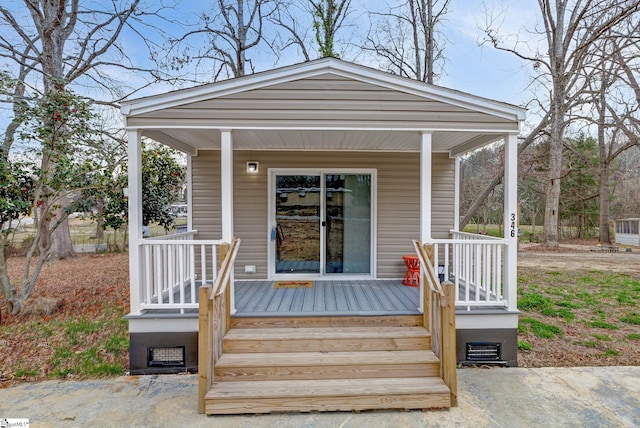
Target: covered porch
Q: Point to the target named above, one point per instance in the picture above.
(327, 172)
(174, 267)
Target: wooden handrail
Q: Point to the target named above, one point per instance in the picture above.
(214, 320)
(440, 318)
(427, 269)
(225, 268)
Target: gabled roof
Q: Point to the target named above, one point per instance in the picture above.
(328, 96)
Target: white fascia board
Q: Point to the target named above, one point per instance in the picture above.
(223, 88)
(315, 68)
(437, 93)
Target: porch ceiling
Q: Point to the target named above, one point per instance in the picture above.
(191, 140)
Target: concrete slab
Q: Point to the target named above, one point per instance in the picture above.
(499, 397)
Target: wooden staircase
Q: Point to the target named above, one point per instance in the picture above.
(326, 364)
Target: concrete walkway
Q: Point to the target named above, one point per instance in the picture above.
(513, 397)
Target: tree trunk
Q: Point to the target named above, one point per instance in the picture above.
(8, 290)
(100, 220)
(61, 245)
(556, 137)
(604, 237)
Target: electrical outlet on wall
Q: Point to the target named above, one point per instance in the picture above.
(250, 269)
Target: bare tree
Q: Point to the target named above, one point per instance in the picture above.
(58, 42)
(329, 17)
(406, 38)
(235, 27)
(570, 29)
(499, 174)
(287, 16)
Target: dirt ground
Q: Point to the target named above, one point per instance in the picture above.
(580, 256)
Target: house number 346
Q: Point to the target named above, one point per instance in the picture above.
(513, 225)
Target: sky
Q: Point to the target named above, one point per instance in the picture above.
(470, 67)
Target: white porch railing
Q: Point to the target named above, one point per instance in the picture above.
(172, 268)
(474, 263)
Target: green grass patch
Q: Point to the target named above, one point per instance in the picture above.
(534, 301)
(540, 329)
(633, 336)
(612, 353)
(26, 372)
(523, 345)
(590, 343)
(117, 344)
(626, 297)
(588, 298)
(565, 313)
(74, 330)
(633, 318)
(603, 337)
(603, 324)
(569, 305)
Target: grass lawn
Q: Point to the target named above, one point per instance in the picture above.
(578, 318)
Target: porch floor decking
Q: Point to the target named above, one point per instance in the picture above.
(339, 297)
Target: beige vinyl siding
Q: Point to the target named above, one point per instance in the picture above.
(327, 101)
(398, 200)
(442, 196)
(205, 188)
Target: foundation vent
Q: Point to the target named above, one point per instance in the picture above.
(484, 352)
(173, 356)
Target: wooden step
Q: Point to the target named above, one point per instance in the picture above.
(321, 339)
(327, 395)
(326, 365)
(332, 321)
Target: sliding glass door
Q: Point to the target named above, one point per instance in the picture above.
(322, 222)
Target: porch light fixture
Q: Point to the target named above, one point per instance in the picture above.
(253, 167)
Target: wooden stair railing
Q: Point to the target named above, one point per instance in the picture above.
(439, 317)
(214, 319)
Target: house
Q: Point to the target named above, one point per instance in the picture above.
(628, 231)
(327, 171)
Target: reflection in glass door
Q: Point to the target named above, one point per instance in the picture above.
(348, 223)
(297, 229)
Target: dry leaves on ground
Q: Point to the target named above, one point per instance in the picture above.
(91, 293)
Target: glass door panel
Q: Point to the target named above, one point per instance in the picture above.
(297, 230)
(348, 223)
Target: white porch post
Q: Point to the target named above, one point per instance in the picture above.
(425, 187)
(189, 194)
(425, 198)
(226, 168)
(510, 279)
(456, 194)
(135, 218)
